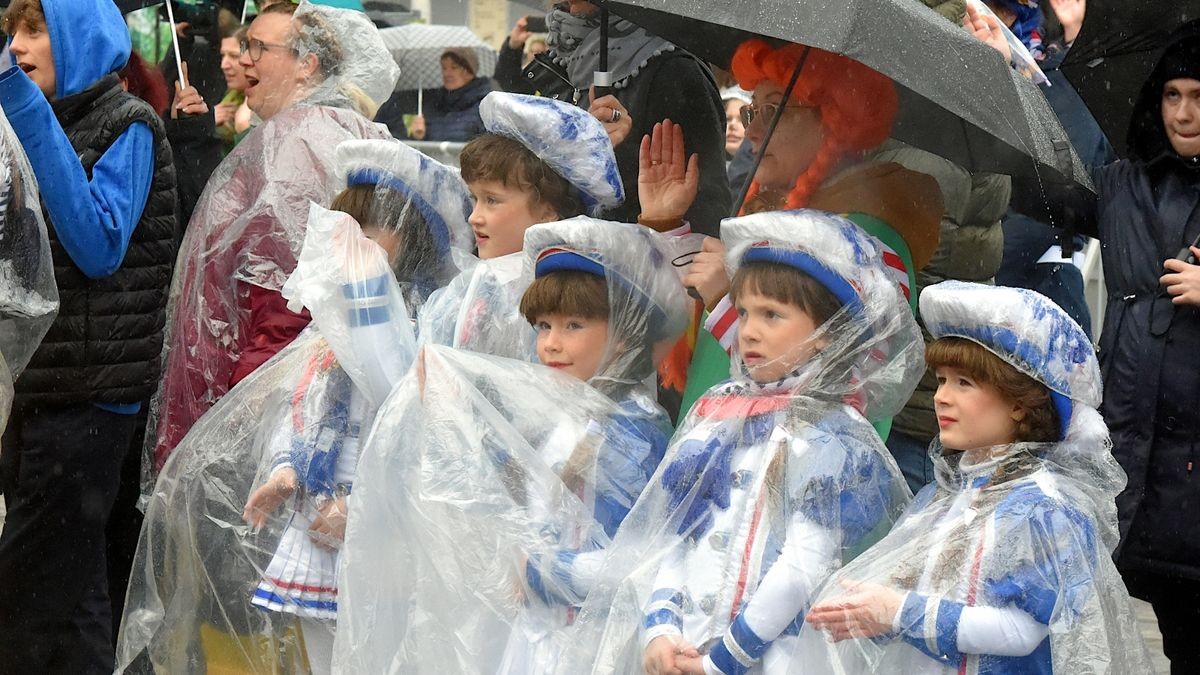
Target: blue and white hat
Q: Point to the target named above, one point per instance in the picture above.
(630, 257)
(1025, 329)
(564, 136)
(435, 189)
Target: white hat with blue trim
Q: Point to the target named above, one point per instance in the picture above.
(1025, 329)
(435, 189)
(565, 137)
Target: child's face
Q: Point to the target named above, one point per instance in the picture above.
(502, 214)
(388, 240)
(773, 337)
(31, 49)
(970, 414)
(572, 344)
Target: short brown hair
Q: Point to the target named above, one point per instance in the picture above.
(28, 12)
(567, 293)
(1040, 424)
(786, 284)
(502, 159)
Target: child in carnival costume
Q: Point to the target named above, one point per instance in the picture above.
(412, 209)
(540, 161)
(776, 477)
(496, 484)
(1003, 564)
(298, 421)
(605, 303)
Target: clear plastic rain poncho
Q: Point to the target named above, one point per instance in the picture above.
(489, 487)
(224, 315)
(477, 311)
(236, 569)
(1003, 564)
(767, 487)
(28, 292)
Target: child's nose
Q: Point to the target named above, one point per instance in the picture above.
(476, 218)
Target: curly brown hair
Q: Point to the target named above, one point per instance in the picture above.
(1040, 423)
(491, 157)
(28, 12)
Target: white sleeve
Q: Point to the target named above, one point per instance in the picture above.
(1001, 631)
(786, 589)
(670, 577)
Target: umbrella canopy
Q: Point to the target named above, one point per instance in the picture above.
(418, 48)
(958, 98)
(1115, 52)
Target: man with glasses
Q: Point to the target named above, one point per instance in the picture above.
(314, 76)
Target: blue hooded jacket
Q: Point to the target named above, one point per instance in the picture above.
(94, 219)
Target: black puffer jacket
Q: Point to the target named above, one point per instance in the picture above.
(104, 346)
(1146, 209)
(673, 85)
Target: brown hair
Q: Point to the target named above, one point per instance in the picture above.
(786, 284)
(567, 292)
(28, 12)
(491, 157)
(1040, 423)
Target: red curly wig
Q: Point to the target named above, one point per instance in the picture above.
(857, 104)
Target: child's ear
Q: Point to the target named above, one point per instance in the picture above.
(1018, 413)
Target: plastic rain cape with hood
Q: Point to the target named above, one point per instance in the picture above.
(242, 242)
(28, 292)
(1003, 564)
(211, 593)
(489, 487)
(766, 487)
(478, 310)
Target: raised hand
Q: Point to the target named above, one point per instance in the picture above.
(987, 29)
(1070, 15)
(667, 183)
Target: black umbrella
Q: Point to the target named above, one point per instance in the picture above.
(958, 98)
(1115, 52)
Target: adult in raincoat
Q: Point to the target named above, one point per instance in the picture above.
(316, 76)
(1145, 214)
(108, 191)
(496, 484)
(775, 478)
(1002, 565)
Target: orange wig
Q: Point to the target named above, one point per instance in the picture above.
(857, 104)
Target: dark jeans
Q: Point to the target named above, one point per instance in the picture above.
(1176, 603)
(59, 470)
(913, 457)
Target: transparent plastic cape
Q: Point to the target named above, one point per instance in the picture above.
(767, 487)
(213, 589)
(28, 292)
(479, 310)
(239, 248)
(1002, 565)
(486, 493)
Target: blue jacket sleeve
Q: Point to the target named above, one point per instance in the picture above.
(92, 219)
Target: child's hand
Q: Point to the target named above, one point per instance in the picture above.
(707, 272)
(663, 654)
(865, 611)
(690, 665)
(1182, 280)
(328, 529)
(267, 498)
(667, 182)
(986, 29)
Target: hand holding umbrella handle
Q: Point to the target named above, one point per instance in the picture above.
(1186, 255)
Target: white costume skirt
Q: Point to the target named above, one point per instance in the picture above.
(301, 578)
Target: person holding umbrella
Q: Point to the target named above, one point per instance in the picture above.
(102, 157)
(452, 113)
(651, 80)
(1145, 214)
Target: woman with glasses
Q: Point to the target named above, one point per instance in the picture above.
(314, 76)
(819, 157)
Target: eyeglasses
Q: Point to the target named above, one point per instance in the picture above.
(751, 112)
(255, 48)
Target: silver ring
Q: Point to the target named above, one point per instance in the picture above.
(616, 116)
